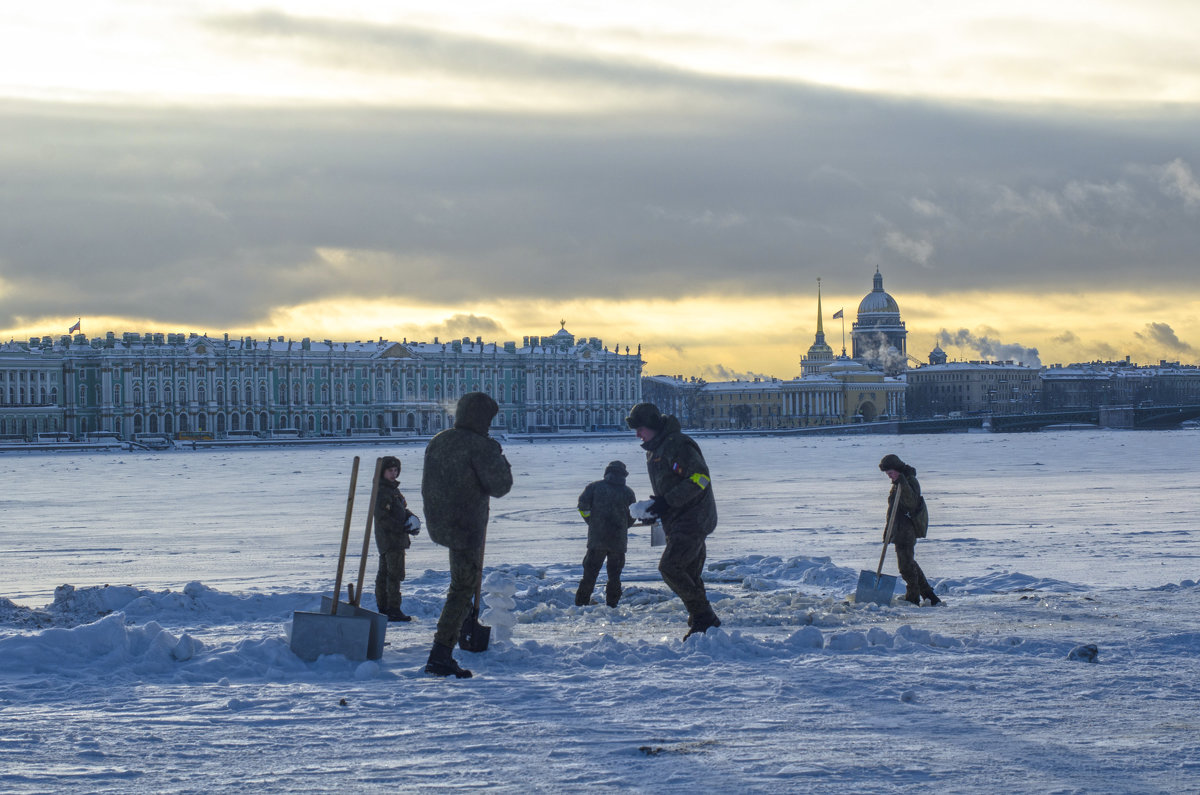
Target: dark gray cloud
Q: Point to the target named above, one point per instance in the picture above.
(1161, 337)
(416, 52)
(713, 186)
(458, 326)
(989, 348)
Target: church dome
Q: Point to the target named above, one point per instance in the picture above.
(877, 302)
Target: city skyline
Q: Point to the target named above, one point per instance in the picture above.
(1024, 178)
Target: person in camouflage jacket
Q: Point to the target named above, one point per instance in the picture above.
(395, 525)
(604, 505)
(683, 500)
(464, 469)
(903, 499)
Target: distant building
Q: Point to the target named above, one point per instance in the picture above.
(972, 387)
(879, 338)
(741, 405)
(177, 385)
(819, 353)
(1094, 384)
(674, 394)
(844, 392)
(30, 390)
(830, 391)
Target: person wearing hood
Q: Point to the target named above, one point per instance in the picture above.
(904, 500)
(395, 525)
(604, 505)
(683, 499)
(464, 469)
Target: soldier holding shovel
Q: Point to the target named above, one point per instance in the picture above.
(903, 502)
(464, 469)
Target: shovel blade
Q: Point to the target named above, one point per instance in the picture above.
(379, 623)
(877, 588)
(314, 634)
(474, 636)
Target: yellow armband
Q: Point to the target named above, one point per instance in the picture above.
(700, 480)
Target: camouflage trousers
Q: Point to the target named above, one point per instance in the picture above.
(592, 561)
(390, 573)
(915, 584)
(466, 567)
(681, 566)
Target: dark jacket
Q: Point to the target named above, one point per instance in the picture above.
(906, 493)
(679, 475)
(463, 468)
(604, 505)
(391, 512)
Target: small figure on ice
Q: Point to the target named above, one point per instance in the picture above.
(604, 505)
(395, 525)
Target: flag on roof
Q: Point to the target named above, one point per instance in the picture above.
(837, 314)
(76, 326)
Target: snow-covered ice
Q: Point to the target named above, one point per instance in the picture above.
(146, 598)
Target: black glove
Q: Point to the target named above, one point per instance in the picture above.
(658, 505)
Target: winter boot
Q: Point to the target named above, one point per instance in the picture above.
(397, 615)
(612, 595)
(702, 623)
(442, 663)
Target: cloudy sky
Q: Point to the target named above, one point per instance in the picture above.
(1026, 175)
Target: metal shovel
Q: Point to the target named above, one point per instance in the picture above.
(875, 586)
(343, 627)
(475, 636)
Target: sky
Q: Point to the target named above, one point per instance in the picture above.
(671, 175)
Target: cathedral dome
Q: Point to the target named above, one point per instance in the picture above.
(877, 302)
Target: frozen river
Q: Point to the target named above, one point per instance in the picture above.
(1082, 506)
(180, 679)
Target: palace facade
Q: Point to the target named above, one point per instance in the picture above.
(190, 386)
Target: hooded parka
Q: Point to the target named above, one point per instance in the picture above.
(464, 467)
(903, 500)
(679, 474)
(604, 505)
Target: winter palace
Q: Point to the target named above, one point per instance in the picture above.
(196, 386)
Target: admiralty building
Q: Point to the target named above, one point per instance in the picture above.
(196, 386)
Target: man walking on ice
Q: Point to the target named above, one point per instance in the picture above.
(683, 500)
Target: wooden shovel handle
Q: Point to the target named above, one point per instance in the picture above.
(337, 585)
(362, 565)
(887, 535)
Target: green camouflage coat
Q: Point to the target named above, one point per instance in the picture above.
(906, 493)
(604, 505)
(391, 512)
(679, 474)
(464, 467)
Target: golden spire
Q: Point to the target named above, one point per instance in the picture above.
(820, 322)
